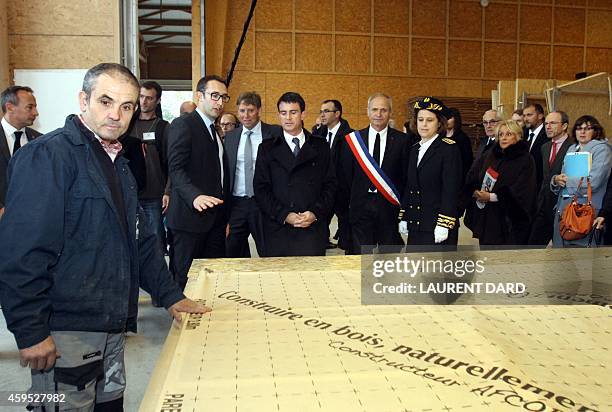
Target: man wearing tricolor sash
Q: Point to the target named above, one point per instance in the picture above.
(375, 165)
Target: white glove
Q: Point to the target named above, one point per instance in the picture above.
(403, 227)
(440, 234)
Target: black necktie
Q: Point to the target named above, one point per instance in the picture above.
(376, 155)
(329, 139)
(296, 148)
(17, 144)
(531, 134)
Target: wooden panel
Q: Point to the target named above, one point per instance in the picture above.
(370, 85)
(606, 4)
(567, 61)
(507, 96)
(243, 81)
(4, 47)
(599, 30)
(422, 87)
(61, 17)
(353, 15)
(216, 17)
(276, 85)
(569, 33)
(352, 54)
(428, 57)
(465, 19)
(391, 16)
(313, 52)
(49, 52)
(273, 51)
(237, 13)
(599, 60)
(428, 18)
(487, 86)
(314, 15)
(463, 88)
(245, 61)
(342, 88)
(534, 61)
(391, 55)
(571, 2)
(500, 61)
(464, 59)
(536, 23)
(501, 21)
(270, 14)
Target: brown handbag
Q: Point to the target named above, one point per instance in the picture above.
(577, 219)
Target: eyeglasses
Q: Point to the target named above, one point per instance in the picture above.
(224, 125)
(584, 128)
(216, 96)
(325, 111)
(488, 122)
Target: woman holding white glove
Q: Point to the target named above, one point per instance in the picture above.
(434, 180)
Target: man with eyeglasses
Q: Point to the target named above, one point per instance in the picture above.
(535, 135)
(334, 129)
(490, 119)
(198, 170)
(227, 123)
(552, 152)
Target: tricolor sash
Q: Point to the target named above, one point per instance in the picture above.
(371, 168)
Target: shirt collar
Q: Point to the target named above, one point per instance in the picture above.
(256, 129)
(428, 143)
(536, 131)
(9, 129)
(383, 132)
(300, 136)
(334, 130)
(207, 120)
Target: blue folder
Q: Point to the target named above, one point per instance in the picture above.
(577, 164)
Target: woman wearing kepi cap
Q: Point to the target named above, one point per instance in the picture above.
(430, 198)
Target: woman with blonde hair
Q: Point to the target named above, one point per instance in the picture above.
(500, 190)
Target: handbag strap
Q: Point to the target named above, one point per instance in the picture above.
(589, 190)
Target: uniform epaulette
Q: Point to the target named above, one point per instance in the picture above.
(448, 141)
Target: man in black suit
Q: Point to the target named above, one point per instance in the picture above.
(372, 217)
(334, 129)
(241, 145)
(552, 152)
(535, 135)
(197, 165)
(490, 119)
(19, 108)
(295, 185)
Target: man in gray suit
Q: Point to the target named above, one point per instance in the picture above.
(241, 146)
(19, 108)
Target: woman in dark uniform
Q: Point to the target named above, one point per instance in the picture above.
(434, 180)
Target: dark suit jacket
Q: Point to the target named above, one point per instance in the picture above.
(193, 164)
(284, 184)
(394, 164)
(431, 194)
(536, 152)
(232, 141)
(483, 146)
(5, 157)
(337, 150)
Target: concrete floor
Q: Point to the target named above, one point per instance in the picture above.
(142, 350)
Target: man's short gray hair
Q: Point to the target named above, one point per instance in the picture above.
(111, 69)
(379, 94)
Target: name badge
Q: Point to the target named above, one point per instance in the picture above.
(147, 137)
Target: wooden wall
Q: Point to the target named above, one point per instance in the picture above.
(62, 34)
(348, 49)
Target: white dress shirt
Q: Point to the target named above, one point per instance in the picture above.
(333, 131)
(383, 143)
(208, 122)
(424, 146)
(256, 139)
(289, 139)
(9, 132)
